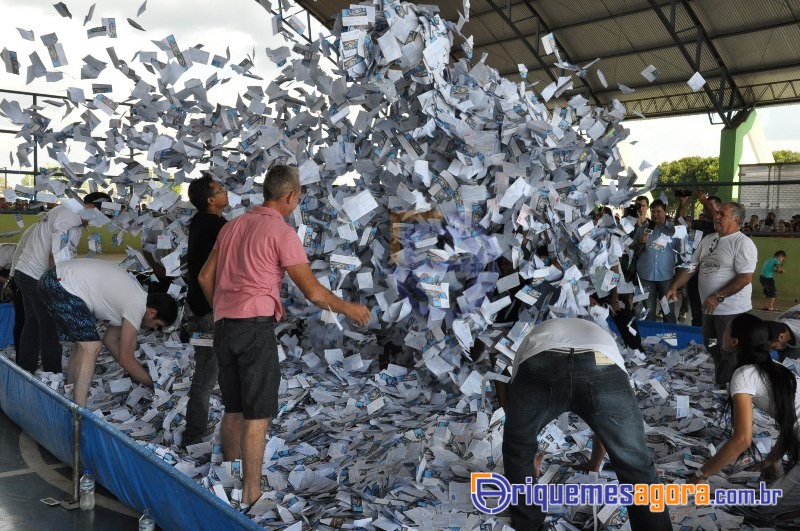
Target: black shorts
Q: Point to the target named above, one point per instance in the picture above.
(769, 287)
(249, 372)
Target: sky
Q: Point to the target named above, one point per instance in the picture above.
(240, 25)
(244, 26)
(665, 139)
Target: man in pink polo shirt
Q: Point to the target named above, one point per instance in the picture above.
(242, 279)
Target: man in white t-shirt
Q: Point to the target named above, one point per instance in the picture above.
(78, 293)
(574, 365)
(53, 238)
(726, 262)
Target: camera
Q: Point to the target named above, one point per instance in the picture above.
(683, 193)
(632, 211)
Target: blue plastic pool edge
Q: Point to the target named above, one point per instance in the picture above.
(134, 474)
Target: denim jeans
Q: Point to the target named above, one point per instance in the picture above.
(655, 291)
(39, 334)
(550, 383)
(206, 371)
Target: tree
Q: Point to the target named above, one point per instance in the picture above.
(702, 172)
(786, 155)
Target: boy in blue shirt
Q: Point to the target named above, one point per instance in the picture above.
(767, 278)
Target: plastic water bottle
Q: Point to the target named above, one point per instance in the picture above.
(87, 491)
(146, 522)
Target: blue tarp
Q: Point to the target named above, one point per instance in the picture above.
(6, 324)
(134, 474)
(38, 410)
(684, 333)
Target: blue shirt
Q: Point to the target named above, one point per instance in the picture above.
(768, 271)
(653, 262)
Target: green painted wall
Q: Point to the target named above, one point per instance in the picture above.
(730, 153)
(8, 223)
(789, 282)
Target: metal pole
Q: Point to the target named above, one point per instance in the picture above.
(75, 502)
(35, 159)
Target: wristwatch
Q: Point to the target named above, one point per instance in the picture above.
(720, 298)
(698, 474)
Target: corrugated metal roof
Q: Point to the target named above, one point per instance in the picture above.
(752, 45)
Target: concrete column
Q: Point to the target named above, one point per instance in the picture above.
(730, 153)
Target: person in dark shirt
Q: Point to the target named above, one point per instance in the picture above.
(705, 224)
(210, 198)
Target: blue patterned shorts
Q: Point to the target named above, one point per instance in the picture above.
(74, 320)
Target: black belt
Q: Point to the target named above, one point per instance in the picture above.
(567, 350)
(270, 319)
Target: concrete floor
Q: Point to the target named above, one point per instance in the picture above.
(781, 303)
(29, 473)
